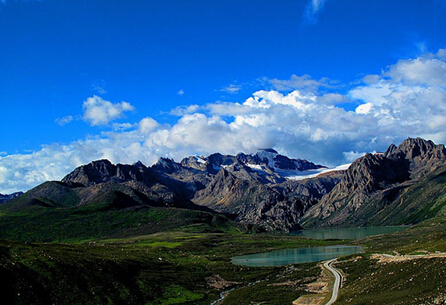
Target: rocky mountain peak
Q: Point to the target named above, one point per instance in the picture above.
(374, 180)
(416, 147)
(195, 162)
(422, 155)
(139, 165)
(411, 159)
(92, 173)
(166, 165)
(268, 156)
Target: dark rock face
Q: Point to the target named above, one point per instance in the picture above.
(104, 171)
(249, 187)
(421, 156)
(376, 180)
(271, 206)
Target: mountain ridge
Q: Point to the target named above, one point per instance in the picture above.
(377, 180)
(255, 190)
(249, 187)
(7, 197)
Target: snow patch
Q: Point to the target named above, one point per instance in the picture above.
(200, 159)
(255, 166)
(298, 175)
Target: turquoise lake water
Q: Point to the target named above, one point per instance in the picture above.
(294, 256)
(348, 233)
(314, 254)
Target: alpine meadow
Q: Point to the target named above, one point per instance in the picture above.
(223, 152)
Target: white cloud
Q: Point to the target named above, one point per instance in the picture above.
(147, 125)
(419, 71)
(122, 126)
(332, 98)
(302, 124)
(99, 87)
(351, 156)
(304, 82)
(101, 112)
(364, 108)
(181, 92)
(312, 10)
(371, 79)
(183, 110)
(441, 54)
(64, 120)
(231, 89)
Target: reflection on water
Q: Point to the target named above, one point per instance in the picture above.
(347, 233)
(294, 256)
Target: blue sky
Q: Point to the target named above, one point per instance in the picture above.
(138, 80)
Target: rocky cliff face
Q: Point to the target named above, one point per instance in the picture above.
(373, 183)
(252, 188)
(277, 206)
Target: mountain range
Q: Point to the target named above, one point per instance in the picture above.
(267, 190)
(7, 197)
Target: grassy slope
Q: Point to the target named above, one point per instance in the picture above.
(419, 281)
(175, 267)
(153, 257)
(405, 204)
(163, 268)
(74, 224)
(422, 201)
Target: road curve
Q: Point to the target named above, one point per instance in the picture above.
(337, 283)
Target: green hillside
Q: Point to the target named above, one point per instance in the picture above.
(162, 268)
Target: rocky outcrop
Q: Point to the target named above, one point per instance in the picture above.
(270, 206)
(374, 182)
(421, 156)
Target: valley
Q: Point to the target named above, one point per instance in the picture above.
(169, 233)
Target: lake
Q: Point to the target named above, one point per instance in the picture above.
(348, 233)
(314, 254)
(294, 256)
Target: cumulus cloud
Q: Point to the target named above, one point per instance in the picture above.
(101, 112)
(147, 125)
(419, 71)
(441, 54)
(312, 10)
(303, 123)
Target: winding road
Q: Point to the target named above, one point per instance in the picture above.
(337, 283)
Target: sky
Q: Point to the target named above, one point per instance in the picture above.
(128, 80)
